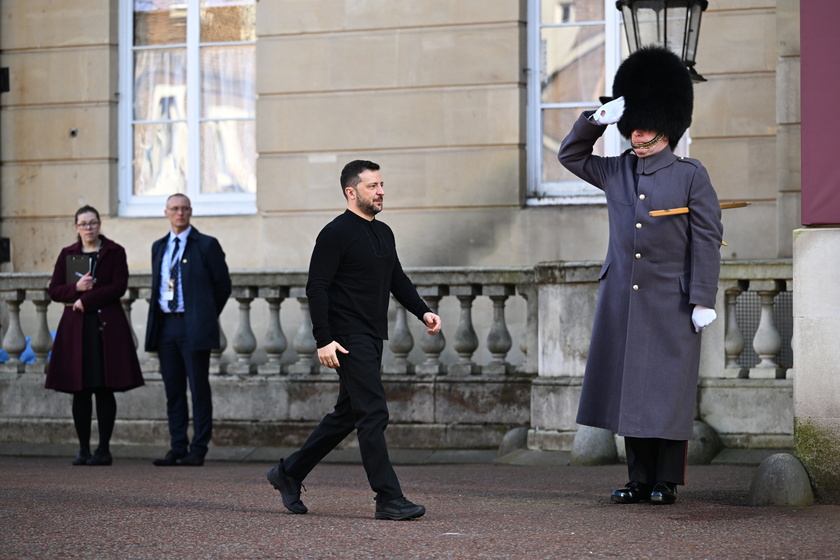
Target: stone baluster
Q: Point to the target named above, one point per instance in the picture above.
(466, 341)
(529, 340)
(767, 341)
(274, 343)
(14, 343)
(400, 342)
(304, 343)
(217, 364)
(432, 346)
(127, 301)
(499, 341)
(41, 341)
(733, 342)
(244, 341)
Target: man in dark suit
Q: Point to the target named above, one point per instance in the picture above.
(190, 286)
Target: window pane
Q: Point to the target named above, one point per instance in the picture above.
(227, 80)
(160, 22)
(160, 158)
(228, 20)
(556, 124)
(571, 11)
(228, 157)
(573, 64)
(160, 91)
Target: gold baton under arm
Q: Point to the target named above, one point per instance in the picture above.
(684, 210)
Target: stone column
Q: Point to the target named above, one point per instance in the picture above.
(816, 324)
(304, 342)
(465, 341)
(566, 294)
(14, 343)
(244, 341)
(432, 346)
(41, 341)
(499, 341)
(400, 342)
(767, 341)
(275, 342)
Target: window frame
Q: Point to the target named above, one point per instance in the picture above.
(541, 193)
(204, 204)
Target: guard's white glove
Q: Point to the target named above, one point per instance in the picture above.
(702, 317)
(609, 113)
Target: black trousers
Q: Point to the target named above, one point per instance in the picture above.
(652, 460)
(361, 406)
(178, 367)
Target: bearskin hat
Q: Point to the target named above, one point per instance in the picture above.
(658, 93)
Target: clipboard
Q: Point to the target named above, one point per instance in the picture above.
(77, 266)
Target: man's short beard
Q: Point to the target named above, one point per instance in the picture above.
(368, 209)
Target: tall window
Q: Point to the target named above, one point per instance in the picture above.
(187, 105)
(574, 51)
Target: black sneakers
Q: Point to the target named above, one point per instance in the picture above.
(289, 489)
(398, 509)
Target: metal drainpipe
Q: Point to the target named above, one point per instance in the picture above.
(5, 245)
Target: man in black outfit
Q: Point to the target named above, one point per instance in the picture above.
(354, 268)
(190, 286)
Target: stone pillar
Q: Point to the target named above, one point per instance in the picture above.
(465, 341)
(41, 341)
(244, 341)
(432, 346)
(499, 341)
(767, 341)
(400, 342)
(275, 342)
(566, 294)
(14, 343)
(816, 324)
(304, 341)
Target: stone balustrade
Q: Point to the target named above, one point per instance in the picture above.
(511, 354)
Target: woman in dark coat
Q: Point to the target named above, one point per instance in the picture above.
(93, 352)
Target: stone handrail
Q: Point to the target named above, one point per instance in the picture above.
(555, 311)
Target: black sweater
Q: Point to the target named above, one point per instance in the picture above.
(353, 270)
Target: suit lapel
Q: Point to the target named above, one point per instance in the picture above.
(157, 259)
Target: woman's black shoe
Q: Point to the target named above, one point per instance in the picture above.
(100, 459)
(82, 458)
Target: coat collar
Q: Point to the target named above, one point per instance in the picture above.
(652, 164)
(192, 236)
(107, 244)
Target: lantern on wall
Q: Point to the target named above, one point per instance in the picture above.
(673, 24)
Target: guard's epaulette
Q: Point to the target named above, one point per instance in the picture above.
(692, 161)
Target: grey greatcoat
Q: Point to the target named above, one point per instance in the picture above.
(644, 356)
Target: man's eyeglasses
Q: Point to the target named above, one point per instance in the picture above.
(176, 209)
(87, 225)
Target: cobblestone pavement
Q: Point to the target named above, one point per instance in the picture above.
(132, 509)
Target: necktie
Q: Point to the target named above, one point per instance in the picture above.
(174, 271)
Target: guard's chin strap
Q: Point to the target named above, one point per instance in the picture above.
(649, 143)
